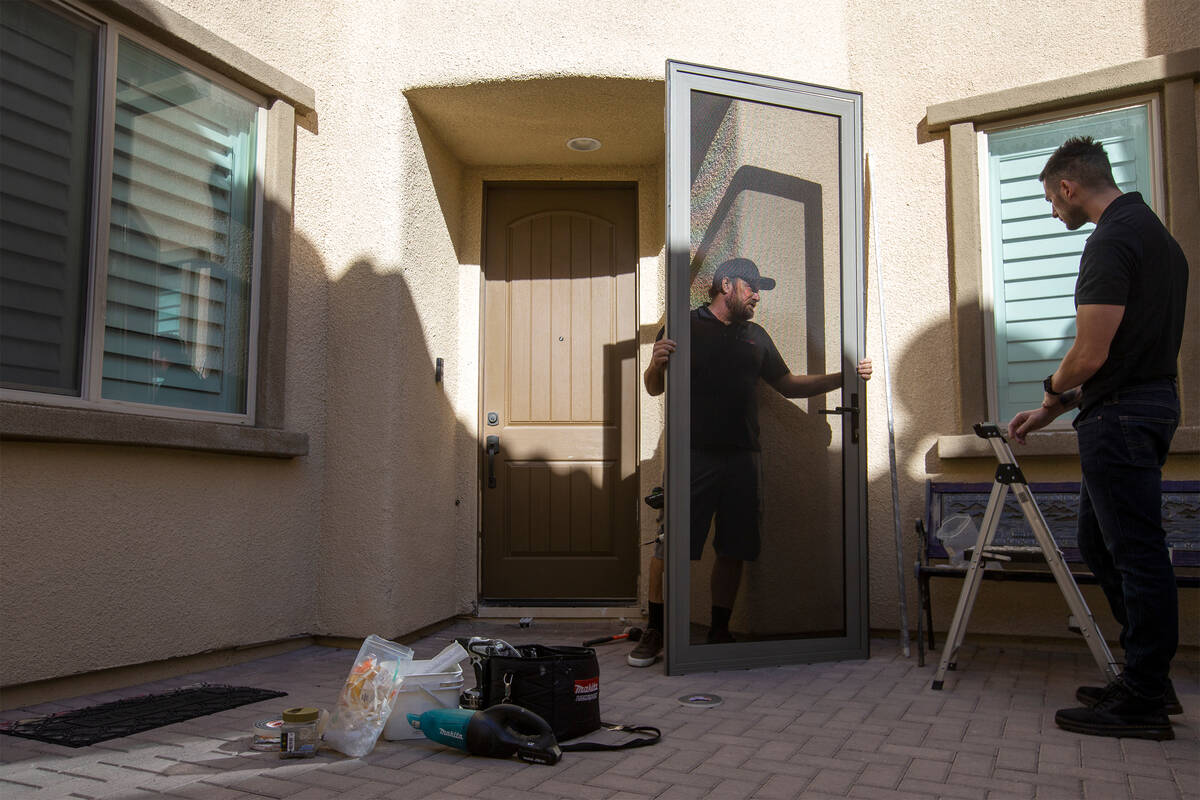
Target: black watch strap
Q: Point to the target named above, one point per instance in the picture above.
(1048, 385)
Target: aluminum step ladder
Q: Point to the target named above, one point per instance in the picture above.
(1009, 476)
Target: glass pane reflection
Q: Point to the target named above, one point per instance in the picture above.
(765, 187)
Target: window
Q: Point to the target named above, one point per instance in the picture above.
(1145, 111)
(1031, 260)
(129, 263)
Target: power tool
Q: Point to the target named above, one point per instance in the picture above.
(496, 732)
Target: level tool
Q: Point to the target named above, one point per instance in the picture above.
(1009, 476)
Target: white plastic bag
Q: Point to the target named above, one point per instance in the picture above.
(366, 700)
(956, 533)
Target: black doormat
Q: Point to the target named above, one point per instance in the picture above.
(84, 726)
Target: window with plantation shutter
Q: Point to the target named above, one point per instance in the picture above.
(1034, 258)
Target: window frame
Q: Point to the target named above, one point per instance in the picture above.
(92, 350)
(288, 104)
(987, 296)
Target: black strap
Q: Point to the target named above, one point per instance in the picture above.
(652, 736)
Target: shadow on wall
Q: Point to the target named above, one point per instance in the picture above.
(397, 535)
(1171, 25)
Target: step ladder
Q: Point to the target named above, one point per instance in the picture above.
(1009, 476)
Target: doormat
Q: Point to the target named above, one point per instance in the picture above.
(84, 726)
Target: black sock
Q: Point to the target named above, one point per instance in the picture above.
(656, 617)
(720, 618)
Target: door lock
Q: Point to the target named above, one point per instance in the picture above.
(493, 449)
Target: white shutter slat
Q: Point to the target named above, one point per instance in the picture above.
(1040, 288)
(1038, 350)
(1047, 328)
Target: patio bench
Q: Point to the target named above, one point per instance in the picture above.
(1018, 557)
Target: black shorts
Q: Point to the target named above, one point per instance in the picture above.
(725, 484)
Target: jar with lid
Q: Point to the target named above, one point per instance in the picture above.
(298, 734)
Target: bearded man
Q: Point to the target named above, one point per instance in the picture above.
(730, 354)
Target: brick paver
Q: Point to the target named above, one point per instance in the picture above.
(865, 729)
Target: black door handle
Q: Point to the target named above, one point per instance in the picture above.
(852, 410)
(493, 449)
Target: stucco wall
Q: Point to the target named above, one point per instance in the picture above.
(118, 555)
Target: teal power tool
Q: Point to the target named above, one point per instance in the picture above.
(496, 732)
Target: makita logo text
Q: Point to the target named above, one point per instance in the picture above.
(587, 690)
(451, 734)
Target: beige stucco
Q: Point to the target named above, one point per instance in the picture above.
(120, 554)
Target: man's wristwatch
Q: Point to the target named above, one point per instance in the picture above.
(1048, 385)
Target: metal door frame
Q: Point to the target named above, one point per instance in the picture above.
(681, 655)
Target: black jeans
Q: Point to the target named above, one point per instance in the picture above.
(1123, 443)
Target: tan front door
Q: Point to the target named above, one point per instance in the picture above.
(559, 466)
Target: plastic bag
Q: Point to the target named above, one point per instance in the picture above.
(957, 533)
(366, 700)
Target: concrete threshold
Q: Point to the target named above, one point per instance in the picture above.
(632, 614)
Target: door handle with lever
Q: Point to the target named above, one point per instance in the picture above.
(493, 449)
(852, 410)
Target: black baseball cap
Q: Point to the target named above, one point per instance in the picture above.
(745, 269)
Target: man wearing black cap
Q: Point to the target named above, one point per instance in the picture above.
(729, 356)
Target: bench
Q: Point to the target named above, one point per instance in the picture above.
(1018, 557)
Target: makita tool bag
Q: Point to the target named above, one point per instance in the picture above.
(560, 684)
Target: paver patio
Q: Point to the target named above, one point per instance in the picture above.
(859, 729)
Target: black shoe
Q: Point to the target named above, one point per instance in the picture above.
(716, 636)
(647, 650)
(1119, 712)
(1090, 695)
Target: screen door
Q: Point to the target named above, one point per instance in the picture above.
(766, 494)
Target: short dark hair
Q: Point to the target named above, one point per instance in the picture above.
(713, 290)
(1081, 159)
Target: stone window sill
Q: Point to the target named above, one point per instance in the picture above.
(34, 423)
(1049, 443)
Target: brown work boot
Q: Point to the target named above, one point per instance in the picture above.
(647, 650)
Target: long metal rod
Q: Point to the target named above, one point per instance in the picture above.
(891, 423)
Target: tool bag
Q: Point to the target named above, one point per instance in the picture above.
(561, 684)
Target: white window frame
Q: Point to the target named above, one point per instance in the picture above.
(987, 289)
(97, 269)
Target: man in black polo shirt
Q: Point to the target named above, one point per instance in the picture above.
(729, 356)
(1120, 372)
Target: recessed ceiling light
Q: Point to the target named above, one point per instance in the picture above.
(584, 144)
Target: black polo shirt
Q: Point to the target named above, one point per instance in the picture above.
(727, 361)
(1131, 260)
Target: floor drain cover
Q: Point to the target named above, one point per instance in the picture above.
(700, 700)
